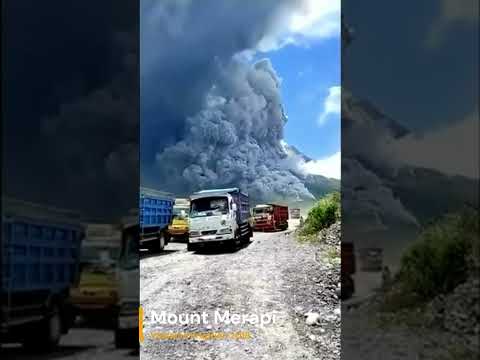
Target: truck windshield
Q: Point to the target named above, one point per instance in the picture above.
(99, 255)
(130, 251)
(209, 206)
(259, 211)
(98, 259)
(180, 213)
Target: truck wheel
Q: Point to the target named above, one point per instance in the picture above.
(46, 336)
(159, 243)
(233, 244)
(126, 339)
(347, 287)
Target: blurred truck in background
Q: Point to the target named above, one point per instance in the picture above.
(295, 213)
(128, 278)
(40, 253)
(270, 217)
(178, 228)
(371, 259)
(348, 268)
(219, 216)
(95, 296)
(156, 212)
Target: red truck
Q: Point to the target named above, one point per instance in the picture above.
(270, 217)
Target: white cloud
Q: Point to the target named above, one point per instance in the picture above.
(451, 12)
(452, 150)
(329, 167)
(317, 19)
(331, 104)
(313, 20)
(463, 10)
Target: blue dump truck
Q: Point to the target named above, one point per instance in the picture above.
(40, 252)
(219, 216)
(156, 211)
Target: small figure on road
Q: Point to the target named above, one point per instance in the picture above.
(301, 220)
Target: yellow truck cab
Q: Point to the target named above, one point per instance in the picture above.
(178, 228)
(96, 293)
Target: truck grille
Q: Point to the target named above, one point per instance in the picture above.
(262, 222)
(209, 232)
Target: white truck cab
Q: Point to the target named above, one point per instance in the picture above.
(218, 216)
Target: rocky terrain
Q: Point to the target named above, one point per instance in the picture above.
(445, 328)
(316, 292)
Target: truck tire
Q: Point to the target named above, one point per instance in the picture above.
(46, 335)
(126, 339)
(233, 244)
(158, 244)
(347, 287)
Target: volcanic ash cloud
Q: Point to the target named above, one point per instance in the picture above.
(235, 139)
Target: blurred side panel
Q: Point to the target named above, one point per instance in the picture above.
(70, 137)
(410, 180)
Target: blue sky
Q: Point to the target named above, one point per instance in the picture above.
(424, 76)
(429, 79)
(306, 55)
(307, 75)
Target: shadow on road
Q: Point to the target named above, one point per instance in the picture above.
(148, 254)
(179, 240)
(213, 249)
(19, 352)
(96, 321)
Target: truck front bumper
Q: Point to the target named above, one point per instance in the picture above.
(178, 232)
(127, 322)
(210, 238)
(128, 315)
(263, 226)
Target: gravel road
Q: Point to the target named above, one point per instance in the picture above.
(272, 276)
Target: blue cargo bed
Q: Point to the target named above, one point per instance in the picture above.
(156, 209)
(40, 247)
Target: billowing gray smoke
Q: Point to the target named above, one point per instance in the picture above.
(210, 119)
(235, 139)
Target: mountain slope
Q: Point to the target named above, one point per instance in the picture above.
(319, 185)
(423, 193)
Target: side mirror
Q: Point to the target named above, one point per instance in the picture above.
(234, 207)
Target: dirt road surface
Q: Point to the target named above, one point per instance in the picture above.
(270, 276)
(81, 343)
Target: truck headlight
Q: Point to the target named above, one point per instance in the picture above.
(194, 233)
(224, 231)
